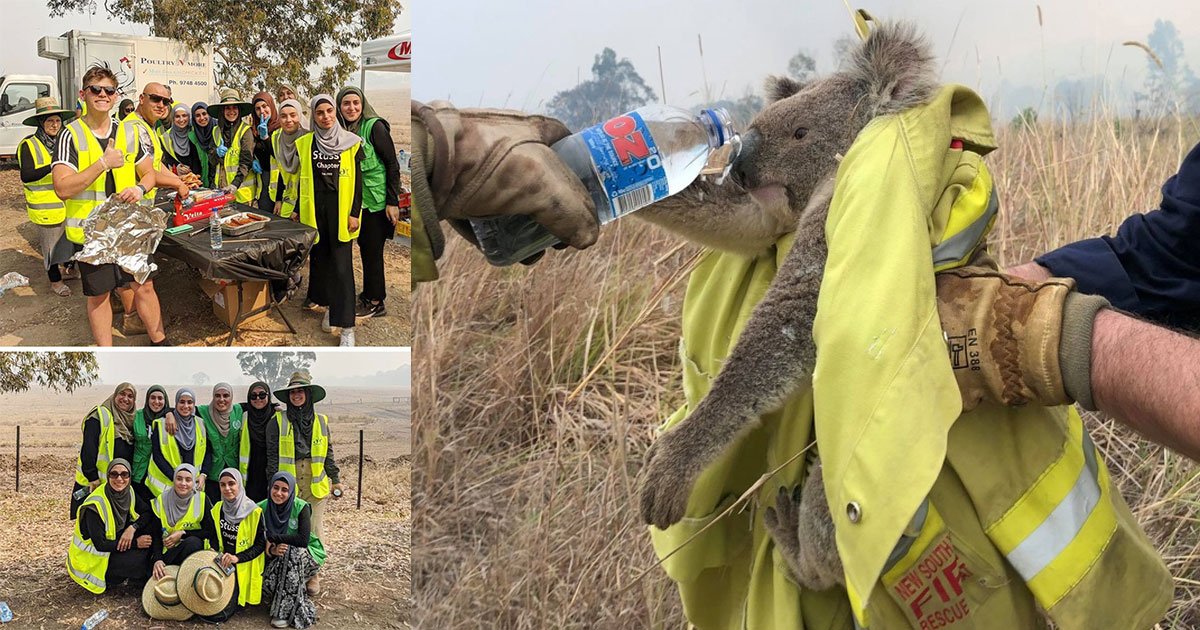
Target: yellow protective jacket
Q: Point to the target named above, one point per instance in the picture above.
(971, 521)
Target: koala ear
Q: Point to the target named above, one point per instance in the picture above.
(895, 65)
(779, 88)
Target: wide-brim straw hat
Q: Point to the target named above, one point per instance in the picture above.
(47, 106)
(300, 380)
(202, 584)
(230, 96)
(160, 598)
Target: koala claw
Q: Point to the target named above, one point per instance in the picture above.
(802, 528)
(667, 479)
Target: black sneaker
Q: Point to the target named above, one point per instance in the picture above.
(367, 309)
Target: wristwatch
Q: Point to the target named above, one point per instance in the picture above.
(142, 188)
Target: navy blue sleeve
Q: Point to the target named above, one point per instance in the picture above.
(1151, 267)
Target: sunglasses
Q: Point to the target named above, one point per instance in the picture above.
(118, 474)
(161, 100)
(258, 396)
(101, 89)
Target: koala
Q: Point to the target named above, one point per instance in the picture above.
(782, 182)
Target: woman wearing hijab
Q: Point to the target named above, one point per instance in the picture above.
(331, 188)
(299, 443)
(107, 435)
(201, 137)
(125, 108)
(189, 444)
(223, 427)
(287, 92)
(154, 408)
(35, 155)
(113, 538)
(265, 122)
(259, 413)
(235, 529)
(180, 513)
(381, 194)
(293, 124)
(234, 152)
(294, 554)
(177, 143)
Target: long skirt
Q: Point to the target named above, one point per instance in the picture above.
(284, 581)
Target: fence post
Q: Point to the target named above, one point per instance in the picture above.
(18, 458)
(358, 506)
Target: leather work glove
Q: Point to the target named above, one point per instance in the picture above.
(1013, 341)
(485, 162)
(222, 150)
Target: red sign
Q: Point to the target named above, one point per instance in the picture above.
(934, 588)
(401, 51)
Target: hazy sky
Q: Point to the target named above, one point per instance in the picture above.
(148, 366)
(27, 21)
(519, 54)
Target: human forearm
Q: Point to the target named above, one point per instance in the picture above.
(1148, 377)
(68, 183)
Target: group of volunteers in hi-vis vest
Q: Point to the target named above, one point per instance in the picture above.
(206, 508)
(340, 175)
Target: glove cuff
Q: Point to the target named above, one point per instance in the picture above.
(422, 194)
(1075, 346)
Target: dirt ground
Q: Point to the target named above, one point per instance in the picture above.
(365, 582)
(35, 316)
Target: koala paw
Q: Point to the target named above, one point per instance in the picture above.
(802, 528)
(668, 474)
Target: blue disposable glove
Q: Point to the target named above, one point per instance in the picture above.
(255, 166)
(262, 126)
(222, 150)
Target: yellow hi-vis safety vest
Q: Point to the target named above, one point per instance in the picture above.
(346, 176)
(190, 521)
(82, 204)
(318, 450)
(271, 172)
(944, 520)
(86, 564)
(104, 450)
(159, 480)
(44, 207)
(249, 574)
(244, 451)
(128, 133)
(227, 168)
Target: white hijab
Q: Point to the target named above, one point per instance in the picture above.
(336, 139)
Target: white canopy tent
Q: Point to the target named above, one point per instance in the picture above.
(388, 54)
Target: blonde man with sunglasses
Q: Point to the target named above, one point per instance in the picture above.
(84, 176)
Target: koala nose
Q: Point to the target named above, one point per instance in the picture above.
(741, 163)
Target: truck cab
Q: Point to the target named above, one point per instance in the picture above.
(18, 92)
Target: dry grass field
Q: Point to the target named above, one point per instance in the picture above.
(366, 580)
(525, 499)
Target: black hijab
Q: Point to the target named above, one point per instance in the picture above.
(204, 134)
(257, 419)
(279, 515)
(149, 415)
(49, 141)
(302, 417)
(122, 501)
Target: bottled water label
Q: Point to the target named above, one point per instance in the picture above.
(627, 162)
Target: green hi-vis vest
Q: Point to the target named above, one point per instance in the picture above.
(169, 147)
(160, 481)
(374, 193)
(315, 548)
(345, 186)
(128, 133)
(104, 450)
(249, 574)
(318, 450)
(82, 204)
(227, 169)
(270, 174)
(141, 446)
(42, 204)
(291, 181)
(86, 564)
(190, 521)
(944, 519)
(224, 447)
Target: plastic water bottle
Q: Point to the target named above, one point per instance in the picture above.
(5, 613)
(214, 230)
(94, 620)
(626, 163)
(402, 157)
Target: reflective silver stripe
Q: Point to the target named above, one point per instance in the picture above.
(98, 582)
(39, 187)
(960, 245)
(319, 478)
(90, 195)
(318, 460)
(85, 545)
(1050, 538)
(911, 533)
(103, 451)
(44, 206)
(290, 461)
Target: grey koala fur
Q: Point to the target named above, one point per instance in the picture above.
(784, 182)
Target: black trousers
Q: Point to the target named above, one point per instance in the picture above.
(331, 265)
(376, 230)
(190, 544)
(133, 564)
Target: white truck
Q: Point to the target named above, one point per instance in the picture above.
(135, 60)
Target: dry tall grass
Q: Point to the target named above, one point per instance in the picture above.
(524, 498)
